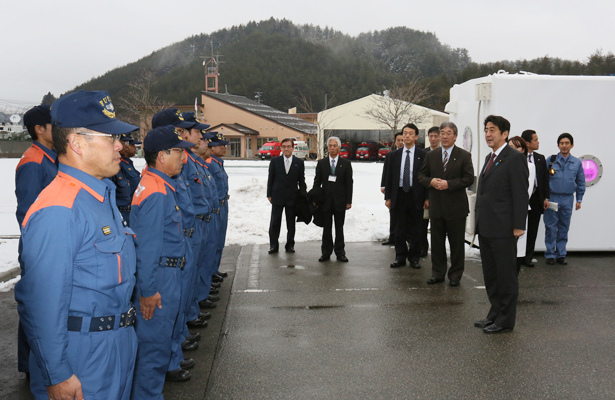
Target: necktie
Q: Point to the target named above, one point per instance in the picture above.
(406, 185)
(333, 166)
(445, 159)
(529, 159)
(490, 163)
(287, 164)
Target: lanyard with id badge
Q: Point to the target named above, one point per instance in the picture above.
(332, 177)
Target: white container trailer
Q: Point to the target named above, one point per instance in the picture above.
(549, 104)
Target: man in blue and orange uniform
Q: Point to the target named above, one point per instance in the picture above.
(79, 262)
(35, 171)
(185, 341)
(205, 202)
(161, 256)
(215, 165)
(127, 179)
(206, 289)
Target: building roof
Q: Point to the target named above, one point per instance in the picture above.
(265, 111)
(236, 127)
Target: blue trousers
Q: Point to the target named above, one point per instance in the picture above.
(103, 361)
(187, 281)
(557, 225)
(221, 234)
(207, 265)
(156, 336)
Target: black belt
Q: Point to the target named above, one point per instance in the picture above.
(124, 208)
(200, 216)
(173, 262)
(215, 211)
(208, 218)
(100, 324)
(222, 202)
(228, 196)
(188, 232)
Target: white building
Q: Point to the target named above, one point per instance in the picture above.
(351, 121)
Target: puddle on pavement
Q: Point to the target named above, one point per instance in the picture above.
(292, 266)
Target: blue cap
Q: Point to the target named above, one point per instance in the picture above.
(207, 135)
(164, 138)
(39, 115)
(189, 117)
(135, 142)
(217, 140)
(91, 110)
(170, 116)
(127, 137)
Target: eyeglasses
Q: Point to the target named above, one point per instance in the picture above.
(113, 138)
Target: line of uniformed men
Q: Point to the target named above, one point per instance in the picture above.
(76, 310)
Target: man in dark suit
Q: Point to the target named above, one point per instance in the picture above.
(334, 176)
(404, 194)
(447, 172)
(399, 143)
(539, 201)
(286, 178)
(501, 210)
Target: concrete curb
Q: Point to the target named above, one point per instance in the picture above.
(10, 274)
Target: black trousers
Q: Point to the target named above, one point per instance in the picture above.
(533, 221)
(327, 237)
(392, 226)
(499, 258)
(408, 227)
(276, 223)
(455, 230)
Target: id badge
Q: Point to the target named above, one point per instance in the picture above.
(332, 178)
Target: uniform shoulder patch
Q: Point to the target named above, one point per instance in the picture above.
(148, 185)
(62, 192)
(33, 154)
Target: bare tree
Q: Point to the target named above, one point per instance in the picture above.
(139, 102)
(395, 108)
(323, 121)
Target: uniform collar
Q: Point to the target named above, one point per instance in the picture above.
(164, 177)
(96, 187)
(221, 161)
(50, 153)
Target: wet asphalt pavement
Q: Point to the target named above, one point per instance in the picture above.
(289, 327)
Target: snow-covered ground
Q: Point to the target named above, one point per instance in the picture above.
(249, 210)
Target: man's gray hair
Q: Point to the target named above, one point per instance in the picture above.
(339, 142)
(449, 125)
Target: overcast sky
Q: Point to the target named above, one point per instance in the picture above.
(57, 45)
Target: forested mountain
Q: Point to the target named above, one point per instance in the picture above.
(286, 61)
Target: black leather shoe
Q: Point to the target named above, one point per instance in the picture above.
(206, 304)
(415, 265)
(423, 253)
(290, 249)
(454, 283)
(550, 261)
(272, 250)
(222, 274)
(194, 337)
(187, 363)
(213, 291)
(177, 375)
(204, 315)
(213, 298)
(189, 346)
(562, 261)
(483, 323)
(197, 323)
(433, 281)
(388, 242)
(215, 285)
(493, 328)
(216, 279)
(324, 258)
(397, 264)
(527, 264)
(342, 259)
